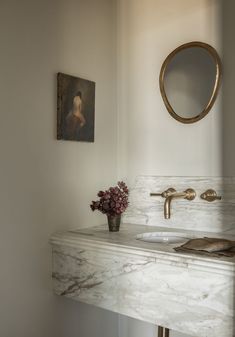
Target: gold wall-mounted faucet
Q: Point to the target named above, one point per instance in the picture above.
(171, 194)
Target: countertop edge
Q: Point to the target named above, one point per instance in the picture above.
(179, 259)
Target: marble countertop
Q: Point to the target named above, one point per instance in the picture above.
(152, 282)
(125, 240)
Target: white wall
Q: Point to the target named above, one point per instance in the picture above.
(150, 141)
(45, 184)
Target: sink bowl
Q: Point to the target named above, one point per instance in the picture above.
(164, 237)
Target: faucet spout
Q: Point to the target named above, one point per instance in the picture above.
(188, 194)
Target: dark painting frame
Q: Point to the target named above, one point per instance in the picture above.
(75, 108)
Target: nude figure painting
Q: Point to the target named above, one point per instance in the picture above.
(75, 108)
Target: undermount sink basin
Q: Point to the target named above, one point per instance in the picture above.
(164, 237)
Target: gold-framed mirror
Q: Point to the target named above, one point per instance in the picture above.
(189, 81)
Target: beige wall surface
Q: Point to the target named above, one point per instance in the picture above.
(150, 141)
(47, 185)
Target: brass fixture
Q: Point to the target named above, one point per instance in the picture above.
(167, 65)
(188, 194)
(210, 195)
(163, 332)
(164, 194)
(171, 194)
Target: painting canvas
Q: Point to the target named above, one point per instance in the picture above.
(75, 108)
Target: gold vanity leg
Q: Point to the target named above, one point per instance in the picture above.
(163, 332)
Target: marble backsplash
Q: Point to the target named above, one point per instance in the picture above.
(216, 216)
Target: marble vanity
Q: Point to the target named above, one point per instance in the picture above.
(189, 293)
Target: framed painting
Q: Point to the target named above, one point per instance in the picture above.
(75, 108)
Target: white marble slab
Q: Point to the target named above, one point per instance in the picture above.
(188, 293)
(198, 214)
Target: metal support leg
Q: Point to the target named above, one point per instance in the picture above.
(163, 332)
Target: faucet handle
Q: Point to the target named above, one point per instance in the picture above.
(210, 195)
(164, 194)
(190, 194)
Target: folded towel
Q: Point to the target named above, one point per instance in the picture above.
(209, 246)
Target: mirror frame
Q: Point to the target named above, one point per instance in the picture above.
(214, 94)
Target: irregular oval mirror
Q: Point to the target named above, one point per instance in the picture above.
(189, 81)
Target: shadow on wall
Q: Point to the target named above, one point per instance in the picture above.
(228, 10)
(228, 102)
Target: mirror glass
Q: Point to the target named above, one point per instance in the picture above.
(190, 78)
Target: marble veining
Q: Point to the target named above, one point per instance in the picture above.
(198, 214)
(147, 281)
